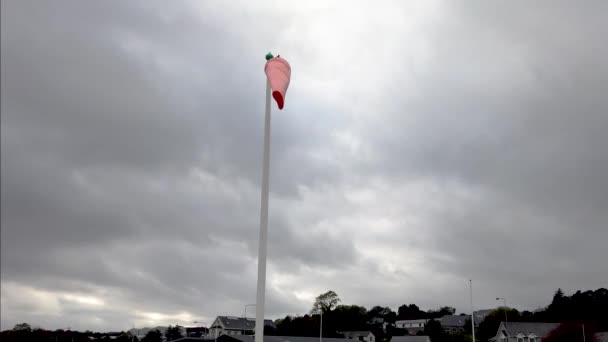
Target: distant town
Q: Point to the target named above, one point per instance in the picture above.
(581, 316)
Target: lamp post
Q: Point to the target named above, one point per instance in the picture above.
(321, 327)
(504, 301)
(472, 310)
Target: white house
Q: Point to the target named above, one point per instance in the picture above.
(230, 325)
(364, 336)
(412, 325)
(523, 331)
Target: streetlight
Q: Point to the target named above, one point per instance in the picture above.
(472, 310)
(321, 327)
(504, 301)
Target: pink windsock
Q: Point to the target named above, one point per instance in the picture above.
(278, 72)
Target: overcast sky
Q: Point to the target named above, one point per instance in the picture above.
(422, 144)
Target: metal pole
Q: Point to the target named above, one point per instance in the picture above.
(262, 245)
(472, 311)
(321, 328)
(504, 300)
(584, 339)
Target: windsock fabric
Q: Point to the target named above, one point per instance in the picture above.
(278, 72)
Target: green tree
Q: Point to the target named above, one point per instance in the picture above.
(434, 330)
(22, 327)
(572, 332)
(153, 336)
(325, 301)
(411, 311)
(489, 326)
(173, 333)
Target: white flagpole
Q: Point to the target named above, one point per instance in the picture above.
(472, 311)
(262, 248)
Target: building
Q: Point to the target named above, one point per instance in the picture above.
(410, 339)
(413, 326)
(453, 323)
(365, 336)
(523, 331)
(230, 325)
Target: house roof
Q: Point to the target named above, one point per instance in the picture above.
(356, 333)
(410, 339)
(241, 323)
(453, 320)
(527, 328)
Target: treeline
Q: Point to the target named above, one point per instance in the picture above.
(589, 307)
(24, 332)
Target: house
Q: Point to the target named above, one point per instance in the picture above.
(250, 338)
(523, 331)
(413, 326)
(365, 336)
(230, 325)
(453, 323)
(410, 339)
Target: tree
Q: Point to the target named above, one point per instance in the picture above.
(489, 326)
(325, 301)
(173, 333)
(153, 336)
(572, 332)
(434, 330)
(411, 311)
(22, 327)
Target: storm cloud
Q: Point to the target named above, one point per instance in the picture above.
(422, 145)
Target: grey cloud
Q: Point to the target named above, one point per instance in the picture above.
(131, 147)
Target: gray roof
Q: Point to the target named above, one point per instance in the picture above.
(453, 320)
(526, 328)
(410, 339)
(250, 338)
(241, 323)
(356, 333)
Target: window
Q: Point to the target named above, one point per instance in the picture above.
(532, 338)
(520, 337)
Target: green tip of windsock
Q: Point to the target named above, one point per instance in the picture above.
(269, 56)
